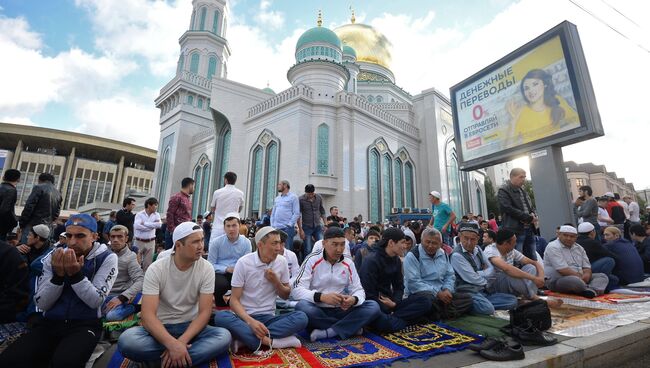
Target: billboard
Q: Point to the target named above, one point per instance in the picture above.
(539, 95)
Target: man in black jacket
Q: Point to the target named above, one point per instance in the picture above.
(14, 283)
(43, 205)
(601, 259)
(126, 217)
(518, 212)
(383, 280)
(8, 197)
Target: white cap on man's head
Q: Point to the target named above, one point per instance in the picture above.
(586, 228)
(609, 195)
(232, 215)
(185, 229)
(568, 229)
(435, 194)
(263, 232)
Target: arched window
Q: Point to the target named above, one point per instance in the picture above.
(399, 193)
(225, 153)
(380, 99)
(323, 153)
(199, 103)
(194, 62)
(371, 99)
(373, 187)
(212, 66)
(264, 173)
(256, 174)
(409, 179)
(162, 179)
(181, 64)
(387, 184)
(271, 173)
(201, 186)
(192, 25)
(202, 19)
(215, 22)
(190, 100)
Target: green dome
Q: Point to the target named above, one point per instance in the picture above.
(318, 35)
(347, 50)
(268, 90)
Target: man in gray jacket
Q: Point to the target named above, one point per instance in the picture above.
(586, 208)
(43, 205)
(518, 212)
(128, 284)
(70, 292)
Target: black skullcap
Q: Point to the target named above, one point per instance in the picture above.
(504, 235)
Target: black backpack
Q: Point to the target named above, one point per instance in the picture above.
(535, 313)
(618, 215)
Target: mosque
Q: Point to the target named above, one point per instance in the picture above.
(345, 126)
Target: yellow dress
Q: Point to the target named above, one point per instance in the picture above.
(533, 125)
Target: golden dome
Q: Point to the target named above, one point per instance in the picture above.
(371, 46)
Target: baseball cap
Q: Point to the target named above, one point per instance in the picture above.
(185, 229)
(266, 230)
(609, 195)
(568, 229)
(585, 228)
(206, 214)
(435, 194)
(63, 235)
(83, 220)
(468, 226)
(41, 230)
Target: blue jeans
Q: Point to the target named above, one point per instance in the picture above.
(120, 312)
(138, 345)
(606, 265)
(315, 232)
(280, 326)
(526, 243)
(405, 313)
(291, 232)
(168, 240)
(346, 323)
(487, 303)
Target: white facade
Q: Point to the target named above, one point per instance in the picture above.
(364, 157)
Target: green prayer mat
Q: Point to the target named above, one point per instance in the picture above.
(486, 326)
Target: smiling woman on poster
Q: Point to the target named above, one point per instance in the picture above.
(545, 112)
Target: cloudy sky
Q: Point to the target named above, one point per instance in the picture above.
(95, 66)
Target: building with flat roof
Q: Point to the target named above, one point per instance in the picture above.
(598, 178)
(87, 169)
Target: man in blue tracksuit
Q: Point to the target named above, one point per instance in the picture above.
(70, 292)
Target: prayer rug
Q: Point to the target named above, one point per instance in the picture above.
(568, 315)
(10, 332)
(370, 350)
(605, 298)
(130, 321)
(486, 326)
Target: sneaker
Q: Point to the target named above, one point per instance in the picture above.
(486, 344)
(532, 336)
(504, 351)
(589, 293)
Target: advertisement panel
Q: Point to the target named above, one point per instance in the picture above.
(540, 95)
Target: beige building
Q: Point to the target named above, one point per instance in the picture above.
(86, 169)
(598, 178)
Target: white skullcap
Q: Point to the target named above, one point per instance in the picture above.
(568, 229)
(585, 228)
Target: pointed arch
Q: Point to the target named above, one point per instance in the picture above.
(374, 202)
(212, 67)
(201, 185)
(264, 172)
(215, 22)
(195, 57)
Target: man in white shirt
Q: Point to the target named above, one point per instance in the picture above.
(224, 201)
(633, 209)
(176, 308)
(145, 224)
(330, 291)
(258, 279)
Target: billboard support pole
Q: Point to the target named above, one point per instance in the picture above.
(552, 196)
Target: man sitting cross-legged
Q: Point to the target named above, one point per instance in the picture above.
(330, 291)
(508, 277)
(427, 272)
(257, 280)
(70, 291)
(176, 308)
(128, 283)
(383, 280)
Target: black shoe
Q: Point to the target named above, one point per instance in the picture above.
(486, 344)
(532, 336)
(504, 351)
(589, 293)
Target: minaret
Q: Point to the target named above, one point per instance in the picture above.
(184, 102)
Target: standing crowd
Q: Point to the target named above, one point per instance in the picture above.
(224, 283)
